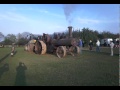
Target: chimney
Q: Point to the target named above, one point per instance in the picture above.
(70, 31)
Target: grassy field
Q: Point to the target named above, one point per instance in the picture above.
(87, 69)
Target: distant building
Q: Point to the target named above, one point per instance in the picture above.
(1, 44)
(105, 41)
(117, 39)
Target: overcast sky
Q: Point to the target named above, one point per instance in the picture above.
(50, 18)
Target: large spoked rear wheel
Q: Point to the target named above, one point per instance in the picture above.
(75, 50)
(61, 51)
(40, 47)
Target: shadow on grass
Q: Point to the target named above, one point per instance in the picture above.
(20, 76)
(15, 52)
(4, 57)
(3, 69)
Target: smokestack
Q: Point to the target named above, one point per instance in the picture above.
(70, 31)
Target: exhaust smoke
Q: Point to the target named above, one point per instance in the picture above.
(68, 10)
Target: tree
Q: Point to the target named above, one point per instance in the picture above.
(19, 35)
(22, 38)
(1, 36)
(7, 41)
(107, 34)
(25, 34)
(22, 41)
(86, 34)
(10, 38)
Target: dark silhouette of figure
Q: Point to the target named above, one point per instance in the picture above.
(117, 43)
(3, 69)
(62, 36)
(90, 45)
(80, 45)
(105, 43)
(20, 76)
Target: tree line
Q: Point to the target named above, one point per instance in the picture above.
(85, 34)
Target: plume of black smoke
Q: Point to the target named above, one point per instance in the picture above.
(68, 10)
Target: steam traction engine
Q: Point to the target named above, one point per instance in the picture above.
(62, 46)
(59, 46)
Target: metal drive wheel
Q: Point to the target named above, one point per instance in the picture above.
(75, 50)
(40, 47)
(61, 51)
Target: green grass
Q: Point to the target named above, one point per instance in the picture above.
(86, 69)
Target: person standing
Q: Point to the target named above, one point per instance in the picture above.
(12, 50)
(117, 42)
(83, 43)
(98, 46)
(80, 45)
(90, 45)
(111, 46)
